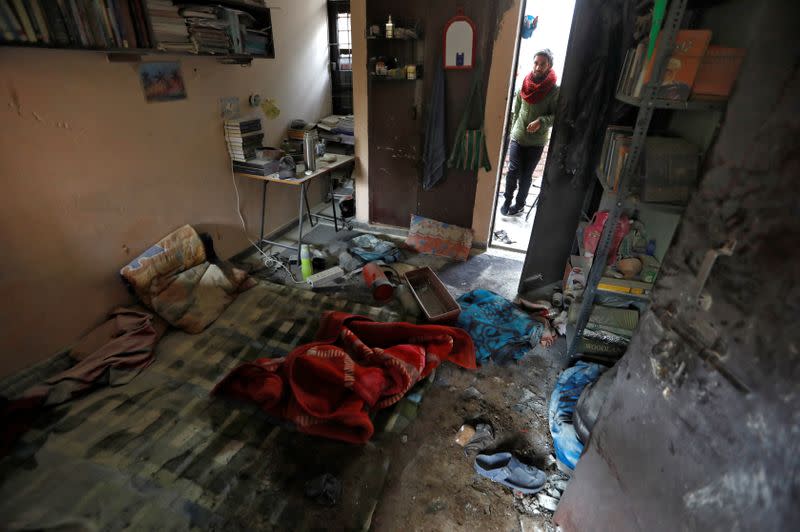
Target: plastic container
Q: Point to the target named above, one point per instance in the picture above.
(436, 302)
(305, 262)
(382, 289)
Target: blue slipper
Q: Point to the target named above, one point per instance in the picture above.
(505, 469)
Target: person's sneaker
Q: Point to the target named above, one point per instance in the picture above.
(516, 210)
(504, 209)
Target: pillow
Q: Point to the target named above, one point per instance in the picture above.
(438, 238)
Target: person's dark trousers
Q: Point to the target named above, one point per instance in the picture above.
(522, 162)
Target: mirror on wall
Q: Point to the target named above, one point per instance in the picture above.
(459, 43)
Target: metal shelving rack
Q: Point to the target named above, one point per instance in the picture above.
(647, 104)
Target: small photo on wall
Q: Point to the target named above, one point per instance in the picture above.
(162, 82)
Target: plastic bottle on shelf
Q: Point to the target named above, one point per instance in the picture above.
(389, 28)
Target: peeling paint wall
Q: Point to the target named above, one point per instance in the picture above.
(92, 174)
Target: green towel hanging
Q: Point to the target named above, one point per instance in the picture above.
(469, 151)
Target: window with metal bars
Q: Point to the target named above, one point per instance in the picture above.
(341, 53)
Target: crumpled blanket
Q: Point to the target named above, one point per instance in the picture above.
(499, 329)
(175, 279)
(329, 387)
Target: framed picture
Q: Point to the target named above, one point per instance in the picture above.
(162, 82)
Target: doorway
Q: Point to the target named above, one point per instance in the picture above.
(554, 20)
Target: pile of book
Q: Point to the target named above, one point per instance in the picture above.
(76, 23)
(206, 30)
(169, 27)
(338, 128)
(244, 137)
(694, 68)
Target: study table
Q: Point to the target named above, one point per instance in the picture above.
(301, 180)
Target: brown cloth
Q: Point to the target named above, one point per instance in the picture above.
(112, 354)
(125, 342)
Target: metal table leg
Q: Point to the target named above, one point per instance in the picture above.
(308, 209)
(263, 212)
(333, 202)
(300, 221)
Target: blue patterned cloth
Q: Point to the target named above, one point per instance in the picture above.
(499, 329)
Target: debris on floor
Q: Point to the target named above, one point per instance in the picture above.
(371, 248)
(325, 489)
(464, 435)
(544, 502)
(481, 440)
(503, 237)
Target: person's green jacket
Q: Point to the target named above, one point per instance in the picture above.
(525, 113)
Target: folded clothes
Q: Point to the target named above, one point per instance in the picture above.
(329, 387)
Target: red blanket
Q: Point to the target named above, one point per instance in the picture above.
(328, 387)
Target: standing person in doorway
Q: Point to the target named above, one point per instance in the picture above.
(534, 107)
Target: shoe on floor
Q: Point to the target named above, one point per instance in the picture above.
(505, 469)
(516, 210)
(504, 209)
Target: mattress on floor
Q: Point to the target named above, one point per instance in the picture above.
(161, 453)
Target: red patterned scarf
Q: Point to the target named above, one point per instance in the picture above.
(533, 92)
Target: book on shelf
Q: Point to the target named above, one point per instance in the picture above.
(610, 153)
(667, 170)
(141, 24)
(78, 23)
(681, 67)
(718, 71)
(680, 72)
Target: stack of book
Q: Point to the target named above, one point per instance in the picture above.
(169, 27)
(76, 23)
(259, 167)
(208, 33)
(244, 137)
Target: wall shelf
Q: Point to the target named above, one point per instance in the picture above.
(260, 13)
(375, 77)
(633, 201)
(697, 104)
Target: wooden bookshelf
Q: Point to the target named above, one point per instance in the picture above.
(259, 12)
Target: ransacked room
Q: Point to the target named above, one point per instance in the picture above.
(383, 265)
